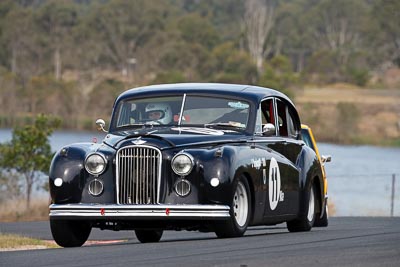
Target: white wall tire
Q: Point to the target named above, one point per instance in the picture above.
(322, 221)
(240, 204)
(311, 206)
(305, 222)
(240, 212)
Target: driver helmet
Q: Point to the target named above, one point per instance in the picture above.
(159, 112)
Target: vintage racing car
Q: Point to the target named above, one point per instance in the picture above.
(308, 137)
(209, 157)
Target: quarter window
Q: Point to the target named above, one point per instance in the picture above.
(282, 121)
(292, 129)
(287, 123)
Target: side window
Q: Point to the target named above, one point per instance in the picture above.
(267, 109)
(282, 121)
(267, 112)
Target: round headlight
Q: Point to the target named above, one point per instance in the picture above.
(95, 163)
(182, 164)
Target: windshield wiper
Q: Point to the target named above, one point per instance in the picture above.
(132, 125)
(225, 125)
(141, 125)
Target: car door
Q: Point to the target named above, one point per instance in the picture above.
(282, 186)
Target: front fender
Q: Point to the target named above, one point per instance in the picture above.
(222, 163)
(68, 164)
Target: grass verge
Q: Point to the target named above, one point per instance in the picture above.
(15, 242)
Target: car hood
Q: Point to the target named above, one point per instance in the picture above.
(169, 137)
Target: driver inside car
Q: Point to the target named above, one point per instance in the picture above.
(159, 113)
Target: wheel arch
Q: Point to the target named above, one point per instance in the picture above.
(316, 181)
(311, 174)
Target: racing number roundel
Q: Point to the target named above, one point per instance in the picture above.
(274, 184)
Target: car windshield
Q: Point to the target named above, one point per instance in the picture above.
(204, 111)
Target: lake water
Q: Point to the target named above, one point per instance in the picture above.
(359, 177)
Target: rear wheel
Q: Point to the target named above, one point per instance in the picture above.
(149, 236)
(240, 210)
(323, 221)
(305, 223)
(70, 233)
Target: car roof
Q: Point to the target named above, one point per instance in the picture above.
(250, 92)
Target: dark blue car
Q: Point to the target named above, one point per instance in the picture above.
(209, 157)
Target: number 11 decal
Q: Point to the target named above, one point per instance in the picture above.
(275, 193)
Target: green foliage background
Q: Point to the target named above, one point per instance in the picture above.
(71, 58)
(27, 156)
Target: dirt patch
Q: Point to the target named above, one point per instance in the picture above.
(337, 95)
(357, 116)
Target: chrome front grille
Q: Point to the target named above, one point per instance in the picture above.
(138, 175)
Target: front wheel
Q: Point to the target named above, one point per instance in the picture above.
(70, 233)
(305, 223)
(149, 236)
(240, 211)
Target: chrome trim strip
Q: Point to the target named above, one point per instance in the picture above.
(139, 211)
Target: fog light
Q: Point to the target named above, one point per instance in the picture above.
(58, 182)
(96, 187)
(214, 182)
(182, 187)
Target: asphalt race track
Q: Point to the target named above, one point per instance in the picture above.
(348, 241)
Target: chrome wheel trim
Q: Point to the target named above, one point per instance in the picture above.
(326, 210)
(240, 204)
(311, 206)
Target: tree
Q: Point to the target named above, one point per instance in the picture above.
(258, 22)
(100, 99)
(290, 33)
(233, 65)
(56, 19)
(195, 29)
(387, 13)
(18, 35)
(29, 153)
(10, 186)
(124, 26)
(338, 26)
(9, 97)
(278, 75)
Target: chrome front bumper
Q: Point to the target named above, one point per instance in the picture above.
(138, 212)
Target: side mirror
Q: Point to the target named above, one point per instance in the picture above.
(268, 129)
(100, 125)
(326, 159)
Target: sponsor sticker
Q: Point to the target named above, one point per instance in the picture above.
(238, 105)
